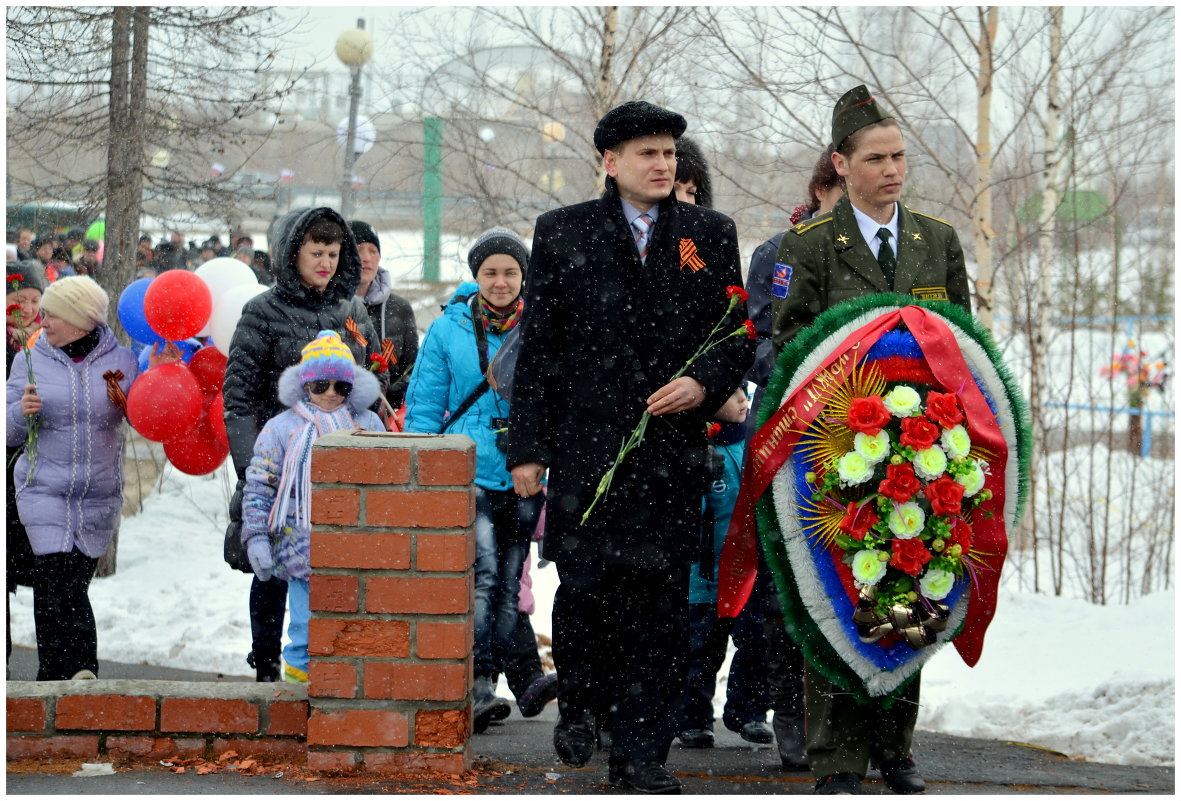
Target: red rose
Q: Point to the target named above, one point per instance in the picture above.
(945, 496)
(867, 415)
(751, 333)
(961, 535)
(909, 556)
(918, 433)
(742, 294)
(858, 519)
(900, 483)
(713, 430)
(943, 409)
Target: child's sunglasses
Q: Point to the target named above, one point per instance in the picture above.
(343, 388)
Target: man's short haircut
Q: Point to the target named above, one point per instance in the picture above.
(324, 231)
(850, 144)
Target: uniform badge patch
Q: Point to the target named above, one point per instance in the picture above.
(930, 292)
(780, 280)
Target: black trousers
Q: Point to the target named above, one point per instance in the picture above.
(268, 602)
(67, 641)
(622, 633)
(522, 664)
(785, 660)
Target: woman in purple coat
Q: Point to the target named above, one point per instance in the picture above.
(70, 498)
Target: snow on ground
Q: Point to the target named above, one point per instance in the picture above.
(1094, 682)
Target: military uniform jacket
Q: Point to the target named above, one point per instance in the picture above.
(601, 333)
(825, 261)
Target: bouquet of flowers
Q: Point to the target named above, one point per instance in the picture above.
(896, 484)
(1139, 373)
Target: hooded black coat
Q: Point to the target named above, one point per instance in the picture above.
(602, 333)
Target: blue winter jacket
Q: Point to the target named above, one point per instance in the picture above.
(720, 500)
(447, 370)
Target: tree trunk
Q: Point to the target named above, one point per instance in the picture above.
(604, 93)
(983, 206)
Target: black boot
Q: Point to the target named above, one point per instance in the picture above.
(789, 738)
(267, 665)
(487, 706)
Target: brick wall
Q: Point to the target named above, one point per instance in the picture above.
(390, 636)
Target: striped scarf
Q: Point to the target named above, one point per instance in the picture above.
(295, 478)
(500, 322)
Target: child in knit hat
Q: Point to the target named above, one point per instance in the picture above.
(325, 392)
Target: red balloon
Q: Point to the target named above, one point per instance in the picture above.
(177, 304)
(217, 419)
(164, 402)
(209, 366)
(197, 452)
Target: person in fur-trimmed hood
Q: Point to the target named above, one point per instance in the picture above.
(325, 392)
(316, 266)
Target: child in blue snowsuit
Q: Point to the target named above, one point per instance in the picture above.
(747, 701)
(325, 392)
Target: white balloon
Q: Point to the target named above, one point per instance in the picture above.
(227, 310)
(224, 273)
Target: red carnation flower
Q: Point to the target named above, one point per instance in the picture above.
(742, 294)
(858, 519)
(14, 278)
(909, 556)
(713, 430)
(13, 308)
(377, 363)
(945, 495)
(900, 483)
(918, 433)
(751, 333)
(867, 415)
(943, 408)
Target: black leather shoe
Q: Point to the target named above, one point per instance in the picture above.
(839, 784)
(540, 692)
(574, 738)
(902, 776)
(789, 740)
(756, 731)
(696, 738)
(644, 777)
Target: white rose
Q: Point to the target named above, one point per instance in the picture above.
(853, 469)
(930, 463)
(956, 442)
(872, 448)
(936, 583)
(973, 482)
(902, 401)
(906, 521)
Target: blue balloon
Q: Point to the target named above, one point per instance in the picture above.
(186, 347)
(131, 313)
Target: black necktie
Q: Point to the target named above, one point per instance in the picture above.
(886, 258)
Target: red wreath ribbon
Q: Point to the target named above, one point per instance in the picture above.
(773, 444)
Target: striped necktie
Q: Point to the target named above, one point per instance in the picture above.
(642, 225)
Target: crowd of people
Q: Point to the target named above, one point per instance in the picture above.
(605, 313)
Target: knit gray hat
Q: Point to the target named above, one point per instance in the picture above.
(497, 240)
(78, 300)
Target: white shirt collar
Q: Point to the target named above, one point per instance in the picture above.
(869, 230)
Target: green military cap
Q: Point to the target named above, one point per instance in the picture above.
(855, 110)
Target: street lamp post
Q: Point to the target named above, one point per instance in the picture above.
(354, 47)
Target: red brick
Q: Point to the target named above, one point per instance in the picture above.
(445, 552)
(25, 714)
(360, 727)
(26, 746)
(434, 681)
(336, 637)
(272, 747)
(231, 716)
(411, 762)
(287, 717)
(332, 761)
(438, 640)
(361, 465)
(153, 748)
(336, 507)
(429, 596)
(367, 550)
(436, 509)
(446, 468)
(333, 593)
(331, 679)
(441, 728)
(107, 712)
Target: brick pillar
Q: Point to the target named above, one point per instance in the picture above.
(392, 599)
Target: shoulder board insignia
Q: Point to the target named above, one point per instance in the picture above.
(808, 225)
(929, 216)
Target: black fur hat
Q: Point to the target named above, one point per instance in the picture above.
(636, 118)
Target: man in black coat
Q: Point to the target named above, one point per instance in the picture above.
(622, 291)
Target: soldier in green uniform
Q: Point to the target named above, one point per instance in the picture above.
(869, 243)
